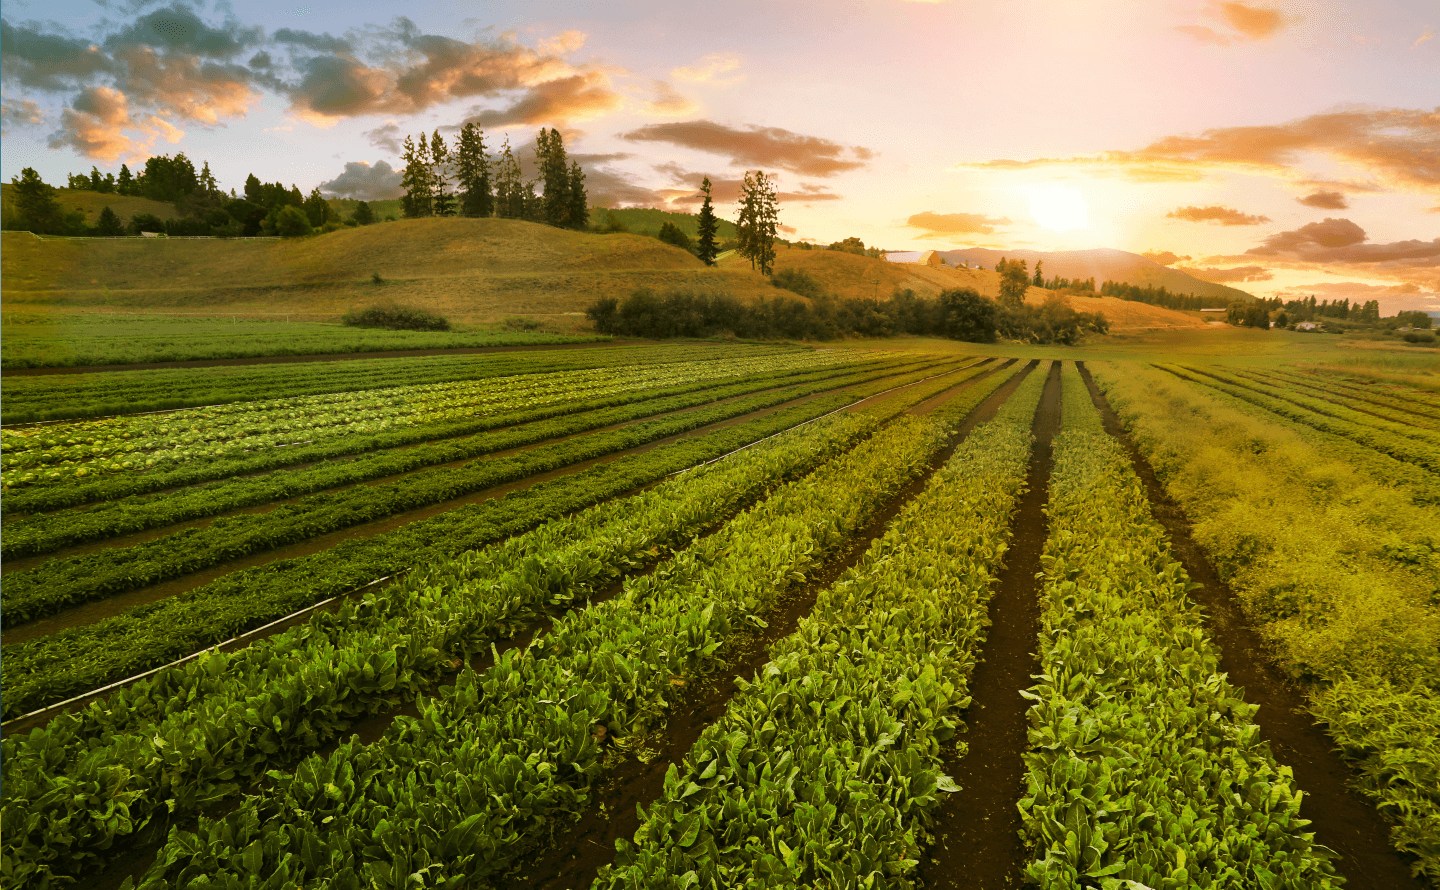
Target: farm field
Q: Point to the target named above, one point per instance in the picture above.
(80, 339)
(720, 615)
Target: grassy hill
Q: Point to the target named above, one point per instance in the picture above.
(469, 269)
(91, 203)
(1103, 264)
(849, 275)
(647, 221)
(345, 207)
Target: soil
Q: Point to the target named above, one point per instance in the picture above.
(314, 357)
(99, 610)
(977, 831)
(1342, 819)
(575, 856)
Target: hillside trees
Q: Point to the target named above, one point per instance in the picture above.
(419, 189)
(1014, 281)
(109, 225)
(472, 173)
(440, 163)
(759, 220)
(1249, 315)
(316, 208)
(291, 222)
(671, 234)
(363, 214)
(37, 209)
(1039, 280)
(125, 182)
(509, 190)
(707, 226)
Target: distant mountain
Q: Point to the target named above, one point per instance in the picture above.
(1102, 264)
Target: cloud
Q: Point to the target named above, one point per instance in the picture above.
(669, 103)
(94, 126)
(1340, 241)
(564, 43)
(711, 69)
(1225, 216)
(1394, 145)
(1223, 276)
(764, 147)
(1164, 257)
(16, 113)
(48, 62)
(367, 183)
(386, 136)
(1328, 234)
(1246, 22)
(956, 223)
(727, 191)
(564, 99)
(1429, 32)
(1325, 200)
(1255, 22)
(178, 30)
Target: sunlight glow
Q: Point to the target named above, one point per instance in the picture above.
(1058, 207)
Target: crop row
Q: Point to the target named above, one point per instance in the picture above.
(42, 671)
(1366, 431)
(111, 488)
(1396, 408)
(37, 398)
(50, 532)
(63, 582)
(1144, 764)
(54, 454)
(1332, 407)
(1339, 570)
(196, 733)
(822, 770)
(494, 764)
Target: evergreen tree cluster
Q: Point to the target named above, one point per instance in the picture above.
(443, 181)
(1159, 296)
(1307, 309)
(759, 221)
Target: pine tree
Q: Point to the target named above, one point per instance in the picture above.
(97, 183)
(768, 223)
(125, 182)
(207, 180)
(1039, 276)
(473, 173)
(316, 208)
(416, 179)
(579, 215)
(363, 214)
(36, 207)
(444, 198)
(509, 190)
(554, 177)
(109, 224)
(705, 246)
(746, 230)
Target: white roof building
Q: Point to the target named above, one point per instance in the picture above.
(921, 257)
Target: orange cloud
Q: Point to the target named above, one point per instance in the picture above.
(1164, 257)
(1326, 200)
(727, 191)
(1255, 22)
(711, 70)
(1395, 145)
(1225, 216)
(95, 125)
(563, 99)
(19, 113)
(1340, 246)
(956, 223)
(765, 147)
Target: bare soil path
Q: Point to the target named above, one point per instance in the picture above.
(1342, 818)
(977, 832)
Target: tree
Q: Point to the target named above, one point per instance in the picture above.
(36, 207)
(849, 245)
(1014, 281)
(965, 315)
(207, 180)
(444, 199)
(144, 222)
(554, 177)
(363, 214)
(472, 169)
(316, 208)
(292, 222)
(509, 190)
(708, 226)
(1039, 276)
(671, 234)
(417, 200)
(108, 225)
(125, 182)
(579, 211)
(759, 221)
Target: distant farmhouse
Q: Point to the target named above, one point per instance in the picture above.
(923, 258)
(1307, 326)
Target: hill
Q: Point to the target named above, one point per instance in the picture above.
(647, 221)
(468, 269)
(1102, 264)
(91, 203)
(850, 275)
(344, 208)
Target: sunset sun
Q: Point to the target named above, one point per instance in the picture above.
(1058, 207)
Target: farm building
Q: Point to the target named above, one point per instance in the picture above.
(924, 258)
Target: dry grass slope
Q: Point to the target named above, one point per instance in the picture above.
(469, 269)
(93, 202)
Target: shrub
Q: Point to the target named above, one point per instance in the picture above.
(798, 282)
(1419, 337)
(291, 222)
(671, 234)
(395, 318)
(145, 222)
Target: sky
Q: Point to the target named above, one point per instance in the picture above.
(1285, 148)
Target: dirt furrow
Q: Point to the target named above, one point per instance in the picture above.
(576, 855)
(977, 831)
(1341, 817)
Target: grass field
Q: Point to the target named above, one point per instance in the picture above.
(504, 490)
(91, 203)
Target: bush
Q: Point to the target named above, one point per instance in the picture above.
(395, 318)
(798, 282)
(145, 222)
(671, 234)
(1419, 337)
(291, 222)
(519, 323)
